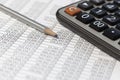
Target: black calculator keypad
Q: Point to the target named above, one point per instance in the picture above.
(102, 17)
(111, 7)
(86, 5)
(107, 14)
(98, 25)
(111, 19)
(112, 33)
(97, 2)
(85, 18)
(98, 12)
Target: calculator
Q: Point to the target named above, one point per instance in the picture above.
(97, 21)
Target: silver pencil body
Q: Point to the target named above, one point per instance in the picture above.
(22, 18)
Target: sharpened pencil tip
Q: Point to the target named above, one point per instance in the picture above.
(50, 32)
(56, 36)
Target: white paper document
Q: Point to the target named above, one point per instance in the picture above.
(27, 54)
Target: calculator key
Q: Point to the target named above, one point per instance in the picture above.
(111, 7)
(85, 18)
(85, 5)
(118, 26)
(98, 12)
(112, 33)
(97, 2)
(117, 2)
(72, 10)
(98, 25)
(117, 13)
(111, 19)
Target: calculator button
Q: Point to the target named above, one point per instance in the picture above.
(98, 12)
(117, 2)
(72, 10)
(97, 2)
(98, 25)
(85, 5)
(110, 7)
(112, 33)
(118, 26)
(85, 18)
(111, 19)
(117, 13)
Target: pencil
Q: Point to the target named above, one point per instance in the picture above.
(32, 23)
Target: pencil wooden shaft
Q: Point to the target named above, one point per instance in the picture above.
(22, 18)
